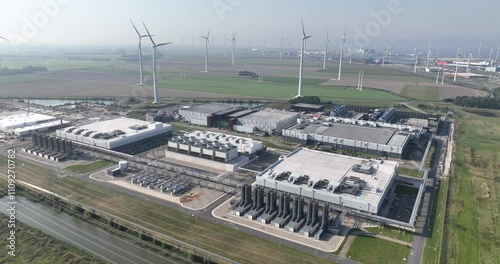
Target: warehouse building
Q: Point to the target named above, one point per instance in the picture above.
(126, 135)
(245, 146)
(208, 115)
(269, 121)
(353, 183)
(24, 124)
(205, 152)
(383, 141)
(308, 108)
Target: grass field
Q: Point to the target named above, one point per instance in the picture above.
(275, 90)
(89, 167)
(433, 242)
(370, 250)
(408, 172)
(216, 238)
(393, 232)
(419, 92)
(472, 233)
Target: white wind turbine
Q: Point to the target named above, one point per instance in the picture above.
(233, 43)
(341, 55)
(281, 47)
(327, 41)
(301, 71)
(141, 70)
(429, 54)
(207, 43)
(154, 46)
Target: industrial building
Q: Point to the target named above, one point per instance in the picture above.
(53, 148)
(237, 118)
(269, 121)
(121, 134)
(353, 183)
(308, 108)
(207, 114)
(245, 146)
(383, 141)
(24, 124)
(205, 152)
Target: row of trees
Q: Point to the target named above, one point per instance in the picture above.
(476, 102)
(25, 70)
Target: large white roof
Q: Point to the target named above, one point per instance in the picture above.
(23, 119)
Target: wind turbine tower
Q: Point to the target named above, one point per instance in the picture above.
(233, 43)
(302, 47)
(281, 47)
(417, 53)
(327, 41)
(154, 46)
(207, 43)
(429, 54)
(341, 55)
(479, 50)
(141, 69)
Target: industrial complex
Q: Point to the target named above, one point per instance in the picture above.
(26, 123)
(119, 134)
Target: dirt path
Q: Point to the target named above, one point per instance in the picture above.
(449, 152)
(414, 108)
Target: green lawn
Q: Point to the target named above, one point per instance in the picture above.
(420, 92)
(393, 232)
(408, 172)
(473, 212)
(276, 90)
(84, 168)
(433, 242)
(370, 250)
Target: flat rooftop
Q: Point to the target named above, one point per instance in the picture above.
(315, 106)
(380, 135)
(334, 168)
(269, 116)
(23, 119)
(210, 108)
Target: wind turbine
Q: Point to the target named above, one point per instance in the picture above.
(4, 39)
(141, 71)
(390, 53)
(154, 46)
(479, 50)
(264, 48)
(383, 56)
(498, 49)
(233, 42)
(429, 54)
(341, 55)
(417, 53)
(301, 71)
(281, 47)
(491, 54)
(225, 46)
(207, 43)
(327, 41)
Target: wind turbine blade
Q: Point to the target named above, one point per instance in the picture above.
(4, 39)
(303, 29)
(149, 34)
(163, 44)
(135, 28)
(208, 35)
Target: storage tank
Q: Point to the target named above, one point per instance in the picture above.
(123, 165)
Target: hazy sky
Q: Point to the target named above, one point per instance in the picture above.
(411, 23)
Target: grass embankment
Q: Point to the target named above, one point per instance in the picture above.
(84, 168)
(433, 242)
(367, 249)
(220, 239)
(473, 211)
(408, 172)
(392, 232)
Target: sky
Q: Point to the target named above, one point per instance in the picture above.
(403, 23)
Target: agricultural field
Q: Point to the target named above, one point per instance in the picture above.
(216, 238)
(367, 249)
(473, 211)
(427, 93)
